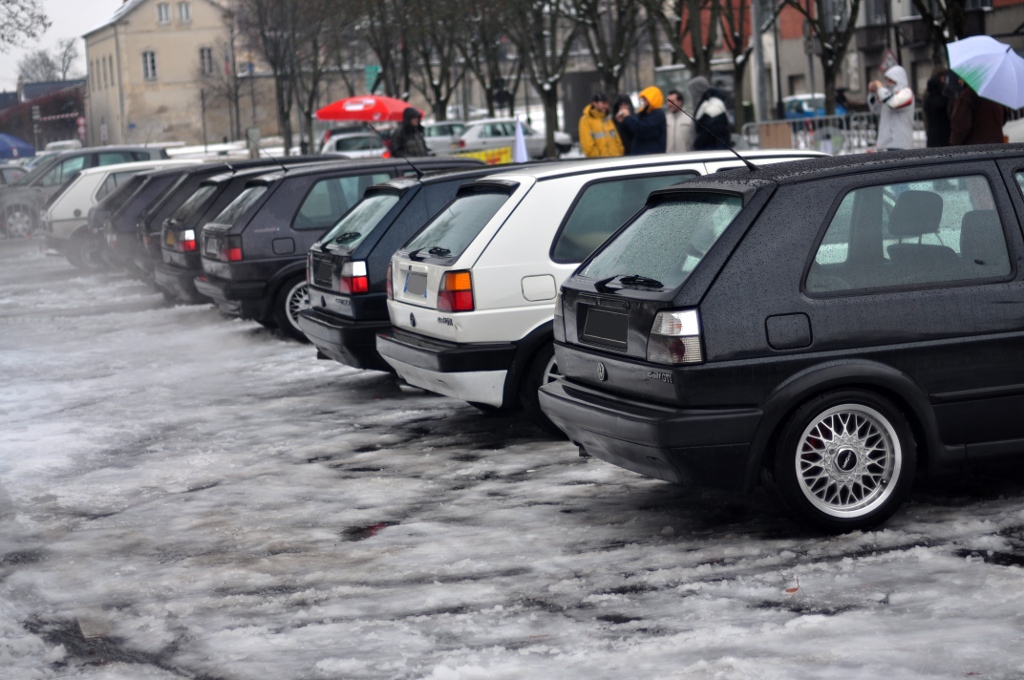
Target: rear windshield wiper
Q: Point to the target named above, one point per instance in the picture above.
(347, 236)
(629, 280)
(439, 251)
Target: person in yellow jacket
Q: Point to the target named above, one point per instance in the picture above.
(598, 136)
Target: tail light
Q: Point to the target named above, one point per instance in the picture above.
(559, 324)
(675, 338)
(188, 241)
(231, 250)
(353, 278)
(456, 292)
(387, 154)
(390, 288)
(462, 143)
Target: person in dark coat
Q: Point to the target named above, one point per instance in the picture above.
(407, 140)
(625, 135)
(976, 120)
(647, 125)
(936, 109)
(711, 128)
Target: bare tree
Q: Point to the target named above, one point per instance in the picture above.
(434, 33)
(544, 31)
(21, 20)
(736, 25)
(946, 20)
(610, 28)
(38, 67)
(832, 31)
(346, 47)
(387, 26)
(485, 49)
(264, 25)
(683, 22)
(310, 23)
(66, 54)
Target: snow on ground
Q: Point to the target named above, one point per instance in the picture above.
(187, 496)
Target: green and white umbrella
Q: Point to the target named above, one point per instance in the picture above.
(990, 68)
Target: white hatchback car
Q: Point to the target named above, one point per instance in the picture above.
(495, 133)
(68, 208)
(356, 145)
(472, 295)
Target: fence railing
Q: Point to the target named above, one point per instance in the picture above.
(837, 135)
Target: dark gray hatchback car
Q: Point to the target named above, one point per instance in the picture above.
(834, 328)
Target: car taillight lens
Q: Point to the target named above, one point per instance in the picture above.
(675, 338)
(389, 287)
(462, 143)
(387, 154)
(188, 241)
(353, 278)
(231, 251)
(456, 292)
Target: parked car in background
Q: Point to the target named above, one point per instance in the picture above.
(65, 215)
(833, 330)
(495, 133)
(807, 106)
(21, 202)
(356, 145)
(347, 266)
(180, 258)
(254, 252)
(439, 136)
(472, 295)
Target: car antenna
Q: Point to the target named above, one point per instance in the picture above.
(750, 166)
(419, 173)
(284, 168)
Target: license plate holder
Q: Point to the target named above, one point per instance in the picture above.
(606, 328)
(416, 284)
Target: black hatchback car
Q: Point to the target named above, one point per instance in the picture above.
(347, 267)
(254, 252)
(832, 327)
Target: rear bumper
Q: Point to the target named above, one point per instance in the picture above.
(352, 342)
(690, 446)
(473, 373)
(237, 298)
(179, 282)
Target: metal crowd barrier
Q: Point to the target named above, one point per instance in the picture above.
(836, 135)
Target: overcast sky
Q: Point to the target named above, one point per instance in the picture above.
(69, 18)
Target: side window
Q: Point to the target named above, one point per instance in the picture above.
(112, 182)
(61, 172)
(913, 233)
(602, 208)
(329, 199)
(114, 157)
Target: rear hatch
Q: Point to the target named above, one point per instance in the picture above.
(221, 244)
(179, 234)
(634, 303)
(340, 283)
(433, 270)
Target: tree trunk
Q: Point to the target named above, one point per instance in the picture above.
(738, 73)
(282, 93)
(550, 99)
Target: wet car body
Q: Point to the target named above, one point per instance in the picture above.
(180, 261)
(856, 323)
(255, 266)
(343, 323)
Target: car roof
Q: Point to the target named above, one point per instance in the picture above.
(546, 171)
(401, 183)
(834, 166)
(330, 165)
(156, 163)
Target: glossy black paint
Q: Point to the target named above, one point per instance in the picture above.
(344, 326)
(248, 288)
(949, 356)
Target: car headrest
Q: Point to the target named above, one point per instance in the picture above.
(916, 213)
(981, 237)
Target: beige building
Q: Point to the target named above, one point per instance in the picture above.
(157, 72)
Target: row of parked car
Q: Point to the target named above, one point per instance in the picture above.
(828, 327)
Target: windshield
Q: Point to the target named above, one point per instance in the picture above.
(237, 207)
(667, 241)
(455, 227)
(361, 220)
(41, 169)
(189, 210)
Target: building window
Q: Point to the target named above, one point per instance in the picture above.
(149, 65)
(163, 13)
(113, 75)
(184, 12)
(206, 60)
(106, 79)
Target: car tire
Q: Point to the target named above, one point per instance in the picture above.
(19, 222)
(291, 297)
(845, 461)
(83, 253)
(541, 370)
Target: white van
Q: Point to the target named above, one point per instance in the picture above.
(472, 295)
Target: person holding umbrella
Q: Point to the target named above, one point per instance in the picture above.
(993, 76)
(976, 120)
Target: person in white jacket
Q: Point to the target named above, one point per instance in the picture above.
(894, 104)
(680, 127)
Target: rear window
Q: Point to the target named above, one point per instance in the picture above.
(361, 220)
(455, 227)
(667, 241)
(242, 202)
(331, 198)
(603, 208)
(189, 210)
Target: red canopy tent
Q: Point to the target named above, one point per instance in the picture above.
(370, 108)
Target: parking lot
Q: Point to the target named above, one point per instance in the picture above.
(187, 496)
